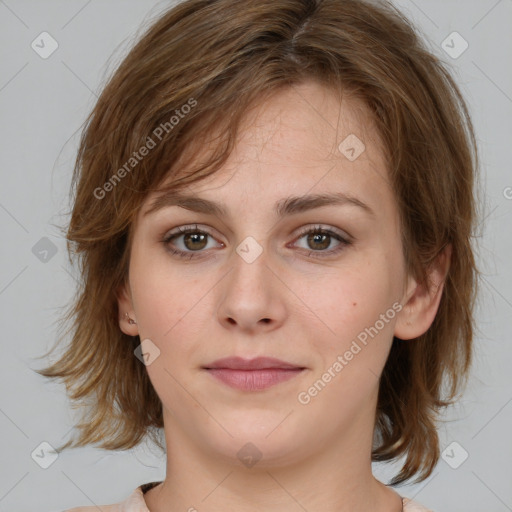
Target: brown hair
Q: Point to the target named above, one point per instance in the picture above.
(219, 57)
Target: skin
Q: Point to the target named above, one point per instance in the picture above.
(286, 304)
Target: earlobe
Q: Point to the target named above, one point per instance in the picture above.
(127, 320)
(422, 300)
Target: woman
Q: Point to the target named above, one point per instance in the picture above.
(273, 213)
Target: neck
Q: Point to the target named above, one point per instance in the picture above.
(337, 478)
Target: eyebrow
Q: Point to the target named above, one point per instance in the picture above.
(287, 206)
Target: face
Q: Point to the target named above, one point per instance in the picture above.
(318, 285)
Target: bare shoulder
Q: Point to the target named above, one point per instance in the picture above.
(413, 506)
(103, 508)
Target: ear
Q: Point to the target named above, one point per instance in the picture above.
(421, 302)
(125, 305)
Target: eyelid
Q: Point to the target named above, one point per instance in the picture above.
(344, 239)
(327, 228)
(303, 230)
(187, 228)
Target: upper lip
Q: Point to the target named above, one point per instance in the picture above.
(258, 363)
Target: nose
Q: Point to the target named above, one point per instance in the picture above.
(252, 298)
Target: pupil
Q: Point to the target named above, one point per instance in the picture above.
(325, 237)
(195, 238)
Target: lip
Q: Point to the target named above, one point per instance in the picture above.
(258, 363)
(252, 374)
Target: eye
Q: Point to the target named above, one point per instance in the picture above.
(194, 240)
(189, 241)
(318, 239)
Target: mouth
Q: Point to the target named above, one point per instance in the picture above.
(252, 374)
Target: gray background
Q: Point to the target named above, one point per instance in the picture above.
(43, 103)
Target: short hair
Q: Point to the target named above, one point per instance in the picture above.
(217, 58)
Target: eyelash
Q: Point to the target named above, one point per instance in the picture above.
(182, 230)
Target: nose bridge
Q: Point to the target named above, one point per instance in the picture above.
(249, 263)
(250, 292)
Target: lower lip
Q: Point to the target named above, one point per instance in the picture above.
(253, 380)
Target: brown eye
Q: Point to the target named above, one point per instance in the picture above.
(319, 240)
(188, 242)
(195, 241)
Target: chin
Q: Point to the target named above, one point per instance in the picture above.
(257, 441)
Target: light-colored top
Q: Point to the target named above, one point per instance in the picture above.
(135, 503)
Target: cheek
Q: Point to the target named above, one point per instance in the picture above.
(172, 311)
(347, 301)
(163, 293)
(359, 310)
(169, 313)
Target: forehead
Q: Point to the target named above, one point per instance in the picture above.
(301, 139)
